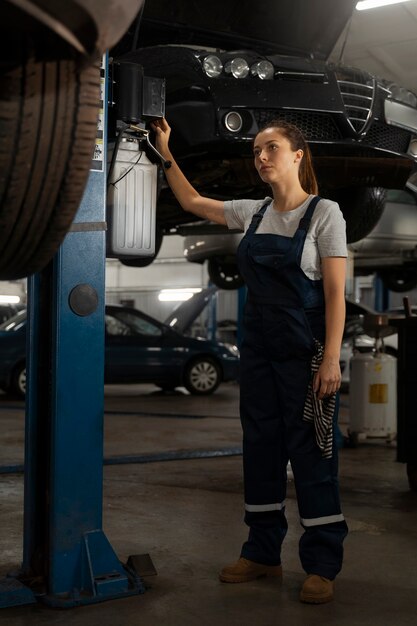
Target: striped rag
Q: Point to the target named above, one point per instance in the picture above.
(320, 412)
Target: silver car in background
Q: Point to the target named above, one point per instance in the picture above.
(390, 249)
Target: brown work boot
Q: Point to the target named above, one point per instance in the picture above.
(244, 570)
(316, 590)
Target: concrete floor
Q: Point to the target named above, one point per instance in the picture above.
(187, 515)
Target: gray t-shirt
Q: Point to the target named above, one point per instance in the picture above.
(326, 235)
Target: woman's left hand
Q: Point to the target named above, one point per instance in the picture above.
(328, 378)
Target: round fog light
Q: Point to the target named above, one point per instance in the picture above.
(233, 121)
(263, 69)
(238, 67)
(212, 66)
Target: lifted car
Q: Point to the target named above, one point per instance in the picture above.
(50, 54)
(230, 67)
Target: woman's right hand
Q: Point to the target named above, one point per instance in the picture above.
(162, 132)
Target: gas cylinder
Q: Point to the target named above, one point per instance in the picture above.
(131, 203)
(373, 394)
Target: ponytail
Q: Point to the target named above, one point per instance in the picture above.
(306, 174)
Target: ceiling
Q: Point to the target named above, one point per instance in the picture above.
(383, 41)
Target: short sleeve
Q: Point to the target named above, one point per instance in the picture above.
(238, 213)
(331, 232)
(234, 218)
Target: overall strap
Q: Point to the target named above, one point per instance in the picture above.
(306, 219)
(257, 217)
(303, 226)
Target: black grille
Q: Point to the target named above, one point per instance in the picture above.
(388, 138)
(314, 126)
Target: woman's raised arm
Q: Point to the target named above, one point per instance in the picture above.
(187, 196)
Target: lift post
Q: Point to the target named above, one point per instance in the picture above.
(67, 559)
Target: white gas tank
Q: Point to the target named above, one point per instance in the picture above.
(131, 203)
(373, 394)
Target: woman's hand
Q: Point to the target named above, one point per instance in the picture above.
(187, 196)
(162, 133)
(328, 378)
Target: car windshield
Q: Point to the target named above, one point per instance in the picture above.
(299, 27)
(14, 323)
(127, 323)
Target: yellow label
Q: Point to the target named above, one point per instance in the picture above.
(378, 394)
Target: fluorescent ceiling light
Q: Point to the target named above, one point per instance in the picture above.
(374, 4)
(9, 299)
(177, 295)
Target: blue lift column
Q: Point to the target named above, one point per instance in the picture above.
(67, 559)
(381, 300)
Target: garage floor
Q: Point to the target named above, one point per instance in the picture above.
(187, 514)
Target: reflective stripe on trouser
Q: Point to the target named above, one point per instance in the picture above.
(272, 402)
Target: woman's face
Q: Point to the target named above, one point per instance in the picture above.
(275, 160)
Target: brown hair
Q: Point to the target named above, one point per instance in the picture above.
(293, 134)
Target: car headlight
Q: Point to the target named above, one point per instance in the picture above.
(263, 69)
(212, 66)
(238, 67)
(401, 94)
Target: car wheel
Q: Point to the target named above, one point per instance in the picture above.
(224, 273)
(362, 207)
(399, 279)
(18, 382)
(48, 126)
(202, 376)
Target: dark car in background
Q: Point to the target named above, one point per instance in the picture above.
(231, 66)
(8, 310)
(139, 349)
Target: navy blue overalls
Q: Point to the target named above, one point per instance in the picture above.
(283, 314)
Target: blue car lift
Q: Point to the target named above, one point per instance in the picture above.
(67, 559)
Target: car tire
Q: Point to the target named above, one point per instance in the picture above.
(399, 279)
(202, 376)
(224, 273)
(361, 207)
(18, 381)
(48, 126)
